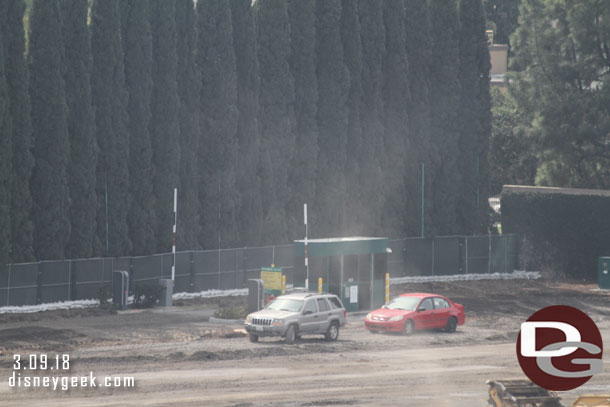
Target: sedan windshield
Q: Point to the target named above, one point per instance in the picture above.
(284, 304)
(403, 303)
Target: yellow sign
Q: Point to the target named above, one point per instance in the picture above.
(272, 278)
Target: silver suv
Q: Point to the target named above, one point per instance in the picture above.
(293, 315)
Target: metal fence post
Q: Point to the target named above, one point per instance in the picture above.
(236, 272)
(244, 264)
(8, 286)
(372, 280)
(466, 255)
(162, 265)
(70, 280)
(489, 255)
(218, 268)
(432, 256)
(39, 284)
(273, 255)
(192, 272)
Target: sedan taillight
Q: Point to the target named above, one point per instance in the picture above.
(344, 313)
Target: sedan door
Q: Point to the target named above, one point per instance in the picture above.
(442, 312)
(424, 317)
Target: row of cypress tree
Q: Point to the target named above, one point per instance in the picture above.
(250, 110)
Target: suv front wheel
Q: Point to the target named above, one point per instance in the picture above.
(291, 334)
(332, 333)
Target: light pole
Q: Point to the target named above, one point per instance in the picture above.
(305, 245)
(174, 234)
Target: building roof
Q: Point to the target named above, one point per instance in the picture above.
(338, 246)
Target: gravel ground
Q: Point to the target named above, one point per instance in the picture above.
(178, 358)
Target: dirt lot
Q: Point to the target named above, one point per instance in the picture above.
(178, 358)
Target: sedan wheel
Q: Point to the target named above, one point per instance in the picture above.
(408, 327)
(332, 333)
(451, 325)
(291, 334)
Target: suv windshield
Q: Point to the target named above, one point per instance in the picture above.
(403, 303)
(284, 304)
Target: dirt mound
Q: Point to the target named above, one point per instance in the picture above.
(510, 297)
(37, 337)
(54, 314)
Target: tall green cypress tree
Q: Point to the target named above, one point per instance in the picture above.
(164, 127)
(421, 149)
(17, 78)
(334, 82)
(250, 215)
(5, 154)
(444, 99)
(110, 102)
(277, 117)
(220, 199)
(189, 88)
(399, 215)
(352, 55)
(475, 118)
(137, 45)
(81, 128)
(371, 157)
(49, 182)
(302, 176)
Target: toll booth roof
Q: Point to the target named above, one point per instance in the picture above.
(338, 246)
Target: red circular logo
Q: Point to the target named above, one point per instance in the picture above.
(560, 348)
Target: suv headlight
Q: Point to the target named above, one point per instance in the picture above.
(369, 316)
(277, 322)
(396, 318)
(249, 319)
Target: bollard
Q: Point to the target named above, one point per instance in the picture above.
(320, 285)
(387, 287)
(256, 289)
(120, 289)
(283, 284)
(167, 291)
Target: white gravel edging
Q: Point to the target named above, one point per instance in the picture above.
(211, 294)
(49, 306)
(527, 275)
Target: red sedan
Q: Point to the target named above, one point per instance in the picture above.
(412, 311)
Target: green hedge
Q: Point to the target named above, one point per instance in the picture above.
(561, 230)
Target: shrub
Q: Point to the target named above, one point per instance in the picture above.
(104, 296)
(146, 295)
(235, 312)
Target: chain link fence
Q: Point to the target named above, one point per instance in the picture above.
(448, 255)
(68, 280)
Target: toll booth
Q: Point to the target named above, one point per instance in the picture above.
(353, 268)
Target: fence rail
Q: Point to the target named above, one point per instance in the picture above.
(66, 280)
